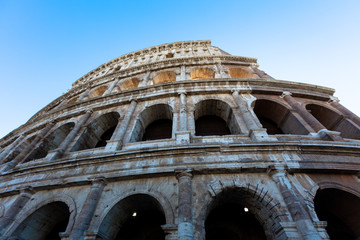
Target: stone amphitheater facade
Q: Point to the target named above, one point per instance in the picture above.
(183, 141)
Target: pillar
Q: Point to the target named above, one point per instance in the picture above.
(83, 95)
(111, 87)
(26, 151)
(59, 152)
(4, 154)
(182, 73)
(117, 139)
(257, 133)
(346, 112)
(185, 226)
(15, 208)
(183, 133)
(87, 212)
(310, 119)
(297, 211)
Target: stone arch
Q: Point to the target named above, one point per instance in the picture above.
(214, 117)
(19, 226)
(255, 198)
(51, 141)
(167, 76)
(121, 219)
(334, 121)
(129, 84)
(155, 122)
(97, 92)
(240, 73)
(278, 118)
(341, 210)
(202, 73)
(98, 132)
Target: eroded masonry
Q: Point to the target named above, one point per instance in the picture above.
(183, 141)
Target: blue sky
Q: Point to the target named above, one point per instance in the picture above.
(45, 46)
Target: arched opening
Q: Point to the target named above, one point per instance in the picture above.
(97, 92)
(137, 217)
(129, 84)
(341, 210)
(214, 117)
(98, 132)
(153, 123)
(164, 77)
(51, 142)
(240, 73)
(202, 73)
(45, 223)
(72, 100)
(232, 215)
(277, 119)
(334, 121)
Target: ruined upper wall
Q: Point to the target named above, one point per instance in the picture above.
(163, 52)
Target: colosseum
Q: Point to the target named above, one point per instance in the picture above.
(183, 141)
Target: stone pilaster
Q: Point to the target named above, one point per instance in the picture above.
(58, 153)
(185, 226)
(4, 154)
(183, 134)
(83, 220)
(111, 87)
(116, 141)
(346, 112)
(83, 95)
(182, 73)
(310, 119)
(26, 151)
(257, 133)
(297, 211)
(15, 208)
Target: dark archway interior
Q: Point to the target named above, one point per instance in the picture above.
(122, 223)
(211, 125)
(45, 223)
(270, 126)
(98, 132)
(106, 136)
(277, 119)
(159, 129)
(228, 220)
(341, 210)
(334, 121)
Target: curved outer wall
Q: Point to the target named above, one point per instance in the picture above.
(91, 149)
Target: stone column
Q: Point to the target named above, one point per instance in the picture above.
(310, 119)
(15, 208)
(185, 226)
(145, 79)
(183, 73)
(4, 154)
(221, 71)
(83, 95)
(83, 220)
(31, 147)
(116, 141)
(183, 133)
(257, 133)
(59, 152)
(346, 112)
(111, 87)
(297, 211)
